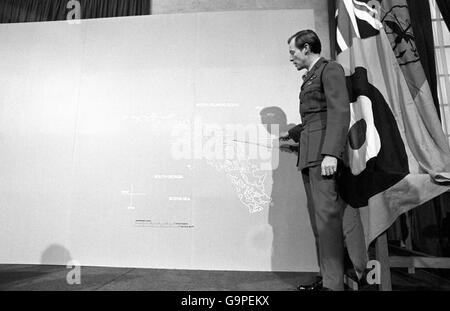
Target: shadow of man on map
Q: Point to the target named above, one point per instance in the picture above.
(286, 215)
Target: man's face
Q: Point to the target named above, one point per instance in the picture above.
(298, 57)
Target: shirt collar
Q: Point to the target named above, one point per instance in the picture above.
(313, 63)
(311, 70)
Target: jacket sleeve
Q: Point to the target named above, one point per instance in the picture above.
(295, 132)
(338, 110)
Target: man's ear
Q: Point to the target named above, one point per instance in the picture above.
(307, 47)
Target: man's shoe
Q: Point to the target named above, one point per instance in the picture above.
(316, 286)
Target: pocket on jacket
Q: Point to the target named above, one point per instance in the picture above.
(314, 96)
(317, 124)
(316, 137)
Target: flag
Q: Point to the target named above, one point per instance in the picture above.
(397, 155)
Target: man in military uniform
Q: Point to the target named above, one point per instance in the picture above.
(322, 136)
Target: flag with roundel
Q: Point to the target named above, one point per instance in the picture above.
(397, 154)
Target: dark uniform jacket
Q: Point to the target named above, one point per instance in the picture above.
(325, 112)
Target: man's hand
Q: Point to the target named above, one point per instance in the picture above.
(289, 148)
(284, 136)
(329, 166)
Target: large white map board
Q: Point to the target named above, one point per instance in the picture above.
(92, 116)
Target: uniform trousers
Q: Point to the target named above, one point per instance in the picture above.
(326, 210)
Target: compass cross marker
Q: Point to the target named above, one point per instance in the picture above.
(132, 194)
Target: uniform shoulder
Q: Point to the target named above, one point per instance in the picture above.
(333, 68)
(332, 64)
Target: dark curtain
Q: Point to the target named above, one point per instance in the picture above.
(444, 7)
(20, 11)
(332, 27)
(419, 11)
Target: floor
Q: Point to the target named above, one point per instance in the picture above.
(48, 278)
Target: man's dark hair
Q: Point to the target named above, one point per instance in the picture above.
(307, 36)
